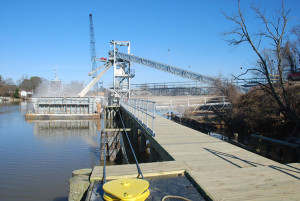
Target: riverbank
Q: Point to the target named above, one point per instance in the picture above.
(4, 99)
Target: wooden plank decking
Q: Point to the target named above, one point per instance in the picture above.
(222, 170)
(225, 171)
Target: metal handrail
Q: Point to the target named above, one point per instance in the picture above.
(140, 110)
(206, 101)
(136, 161)
(104, 160)
(275, 141)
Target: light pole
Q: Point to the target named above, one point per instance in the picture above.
(169, 56)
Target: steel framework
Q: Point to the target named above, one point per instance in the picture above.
(122, 71)
(164, 67)
(119, 56)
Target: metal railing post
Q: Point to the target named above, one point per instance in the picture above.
(135, 108)
(139, 106)
(154, 108)
(143, 113)
(147, 114)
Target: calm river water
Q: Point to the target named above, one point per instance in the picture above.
(37, 158)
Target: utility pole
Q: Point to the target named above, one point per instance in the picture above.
(169, 56)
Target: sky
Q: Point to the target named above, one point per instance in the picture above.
(39, 36)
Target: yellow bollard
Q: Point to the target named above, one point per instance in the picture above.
(126, 190)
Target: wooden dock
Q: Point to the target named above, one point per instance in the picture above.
(223, 171)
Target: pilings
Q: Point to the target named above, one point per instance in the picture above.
(144, 145)
(112, 145)
(78, 184)
(110, 116)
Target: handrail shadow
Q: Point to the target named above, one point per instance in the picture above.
(221, 154)
(289, 170)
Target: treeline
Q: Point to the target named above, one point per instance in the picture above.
(9, 88)
(257, 112)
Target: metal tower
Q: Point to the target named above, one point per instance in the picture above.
(122, 71)
(93, 51)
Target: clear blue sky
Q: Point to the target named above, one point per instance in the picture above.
(37, 36)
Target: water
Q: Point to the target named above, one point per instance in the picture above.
(37, 158)
(219, 136)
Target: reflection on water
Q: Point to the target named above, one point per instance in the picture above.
(38, 157)
(50, 128)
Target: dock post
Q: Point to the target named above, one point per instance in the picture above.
(142, 142)
(105, 117)
(135, 137)
(153, 154)
(78, 184)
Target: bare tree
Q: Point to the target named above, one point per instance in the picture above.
(227, 114)
(290, 57)
(274, 32)
(292, 49)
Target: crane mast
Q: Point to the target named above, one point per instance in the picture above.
(93, 51)
(122, 71)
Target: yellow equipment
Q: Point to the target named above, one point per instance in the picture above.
(126, 190)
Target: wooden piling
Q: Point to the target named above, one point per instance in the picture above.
(78, 184)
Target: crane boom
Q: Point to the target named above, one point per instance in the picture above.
(95, 80)
(93, 71)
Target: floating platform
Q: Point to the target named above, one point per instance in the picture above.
(65, 108)
(33, 116)
(65, 105)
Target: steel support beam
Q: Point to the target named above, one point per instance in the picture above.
(94, 81)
